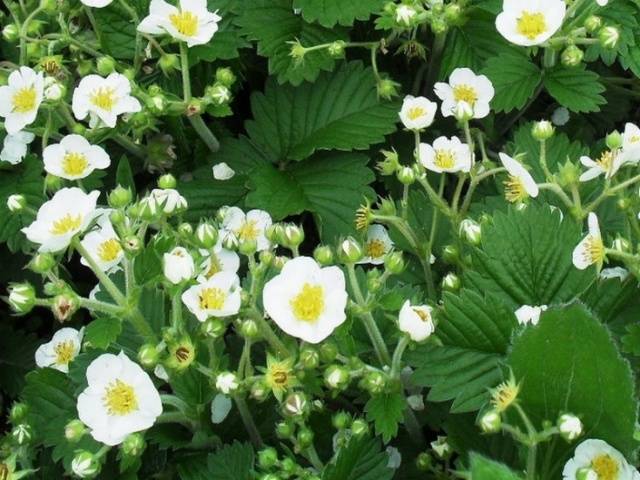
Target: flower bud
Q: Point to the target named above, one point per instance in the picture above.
(267, 458)
(336, 377)
(424, 461)
(248, 246)
(52, 183)
(463, 112)
(227, 382)
(336, 49)
(64, 306)
(167, 181)
(225, 76)
(85, 464)
(169, 63)
(218, 94)
(621, 245)
(451, 254)
(374, 382)
(453, 14)
(304, 439)
(249, 329)
(359, 427)
(292, 235)
(133, 445)
(259, 391)
(491, 422)
(441, 447)
(350, 251)
(206, 235)
(543, 130)
(18, 412)
(120, 197)
(309, 357)
(53, 90)
(178, 265)
(11, 32)
(328, 351)
(593, 23)
(394, 263)
(16, 203)
(214, 327)
(323, 255)
(572, 56)
(74, 431)
(406, 175)
(570, 427)
(569, 174)
(296, 404)
(22, 433)
(614, 140)
(451, 282)
(105, 65)
(389, 164)
(609, 37)
(22, 297)
(471, 231)
(387, 89)
(341, 420)
(405, 15)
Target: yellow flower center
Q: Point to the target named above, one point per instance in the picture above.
(66, 224)
(606, 161)
(445, 159)
(424, 316)
(606, 467)
(278, 376)
(248, 231)
(375, 248)
(120, 398)
(308, 305)
(465, 93)
(74, 163)
(24, 100)
(104, 98)
(514, 190)
(531, 25)
(594, 250)
(185, 22)
(64, 352)
(109, 250)
(416, 112)
(212, 299)
(504, 395)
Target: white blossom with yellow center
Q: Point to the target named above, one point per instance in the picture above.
(103, 99)
(376, 245)
(190, 22)
(120, 399)
(305, 300)
(530, 22)
(239, 227)
(218, 259)
(416, 321)
(61, 350)
(465, 86)
(608, 165)
(417, 113)
(103, 244)
(446, 155)
(68, 213)
(630, 144)
(218, 296)
(14, 147)
(74, 158)
(590, 251)
(602, 459)
(21, 98)
(520, 185)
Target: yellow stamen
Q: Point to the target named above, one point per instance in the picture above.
(74, 163)
(416, 112)
(424, 316)
(66, 224)
(606, 467)
(104, 98)
(594, 250)
(308, 305)
(212, 299)
(65, 352)
(109, 250)
(120, 398)
(185, 22)
(514, 190)
(24, 100)
(445, 159)
(465, 93)
(606, 161)
(248, 231)
(375, 248)
(505, 394)
(531, 25)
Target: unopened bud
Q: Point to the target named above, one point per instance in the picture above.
(292, 235)
(406, 175)
(214, 327)
(74, 431)
(22, 433)
(463, 112)
(359, 427)
(350, 251)
(168, 63)
(323, 255)
(609, 37)
(167, 181)
(296, 404)
(336, 377)
(471, 231)
(614, 140)
(105, 65)
(120, 197)
(16, 203)
(22, 297)
(491, 422)
(309, 357)
(133, 445)
(249, 329)
(336, 49)
(18, 412)
(572, 56)
(11, 32)
(85, 464)
(543, 130)
(570, 427)
(451, 282)
(374, 382)
(621, 245)
(225, 76)
(394, 263)
(593, 23)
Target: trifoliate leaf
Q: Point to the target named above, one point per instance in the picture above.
(483, 468)
(102, 332)
(232, 462)
(515, 79)
(227, 41)
(360, 459)
(386, 411)
(576, 88)
(570, 363)
(330, 12)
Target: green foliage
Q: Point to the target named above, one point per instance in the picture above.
(102, 332)
(483, 468)
(331, 12)
(386, 411)
(361, 459)
(576, 88)
(16, 358)
(231, 462)
(515, 79)
(227, 40)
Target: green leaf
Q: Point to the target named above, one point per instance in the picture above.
(232, 462)
(273, 24)
(124, 175)
(570, 363)
(483, 468)
(474, 333)
(515, 79)
(330, 12)
(204, 194)
(193, 467)
(360, 459)
(339, 111)
(17, 351)
(576, 88)
(386, 411)
(102, 332)
(227, 41)
(117, 31)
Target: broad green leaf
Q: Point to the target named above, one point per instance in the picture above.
(124, 175)
(576, 88)
(102, 332)
(360, 459)
(526, 258)
(232, 462)
(117, 32)
(273, 24)
(515, 79)
(227, 41)
(193, 467)
(17, 351)
(386, 411)
(205, 195)
(570, 363)
(340, 111)
(192, 387)
(483, 468)
(330, 12)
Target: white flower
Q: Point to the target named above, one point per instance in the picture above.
(21, 98)
(405, 14)
(96, 3)
(191, 22)
(590, 250)
(53, 90)
(61, 350)
(103, 245)
(608, 165)
(120, 399)
(446, 155)
(239, 227)
(178, 265)
(416, 321)
(168, 199)
(530, 314)
(520, 185)
(631, 144)
(570, 426)
(14, 147)
(532, 22)
(222, 171)
(377, 245)
(68, 213)
(417, 112)
(218, 259)
(305, 300)
(605, 461)
(465, 86)
(219, 296)
(614, 272)
(103, 99)
(227, 382)
(74, 158)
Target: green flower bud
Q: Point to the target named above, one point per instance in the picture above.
(304, 438)
(74, 431)
(609, 37)
(491, 422)
(296, 405)
(225, 76)
(84, 67)
(572, 56)
(167, 181)
(214, 327)
(206, 235)
(218, 94)
(463, 112)
(105, 65)
(453, 14)
(248, 247)
(543, 130)
(374, 382)
(471, 231)
(451, 282)
(593, 23)
(341, 420)
(120, 197)
(336, 49)
(309, 357)
(11, 33)
(350, 251)
(424, 461)
(52, 183)
(621, 245)
(267, 458)
(336, 377)
(439, 26)
(148, 355)
(387, 89)
(22, 298)
(451, 254)
(22, 433)
(249, 329)
(569, 174)
(359, 427)
(288, 465)
(18, 412)
(133, 445)
(614, 140)
(293, 235)
(328, 351)
(323, 255)
(394, 263)
(266, 257)
(85, 464)
(406, 175)
(169, 63)
(185, 229)
(570, 427)
(259, 391)
(16, 203)
(79, 129)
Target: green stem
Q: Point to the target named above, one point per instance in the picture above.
(313, 457)
(269, 335)
(176, 310)
(23, 33)
(434, 63)
(396, 361)
(102, 307)
(559, 192)
(475, 181)
(543, 160)
(186, 79)
(247, 419)
(610, 191)
(204, 132)
(129, 145)
(94, 24)
(105, 281)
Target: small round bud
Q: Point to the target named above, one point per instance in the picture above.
(284, 430)
(336, 377)
(18, 412)
(11, 32)
(120, 197)
(248, 247)
(341, 420)
(406, 175)
(293, 235)
(359, 427)
(74, 431)
(374, 382)
(491, 422)
(259, 391)
(593, 23)
(304, 438)
(463, 112)
(296, 404)
(323, 255)
(206, 235)
(16, 203)
(387, 89)
(424, 461)
(453, 14)
(336, 49)
(471, 231)
(572, 56)
(451, 254)
(543, 130)
(614, 140)
(169, 63)
(288, 466)
(328, 351)
(218, 94)
(167, 181)
(609, 37)
(394, 263)
(309, 357)
(117, 217)
(451, 282)
(22, 433)
(185, 229)
(266, 257)
(624, 203)
(132, 244)
(350, 251)
(570, 427)
(225, 76)
(105, 65)
(227, 382)
(53, 90)
(405, 15)
(267, 458)
(52, 183)
(22, 297)
(148, 355)
(85, 464)
(249, 329)
(133, 445)
(214, 327)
